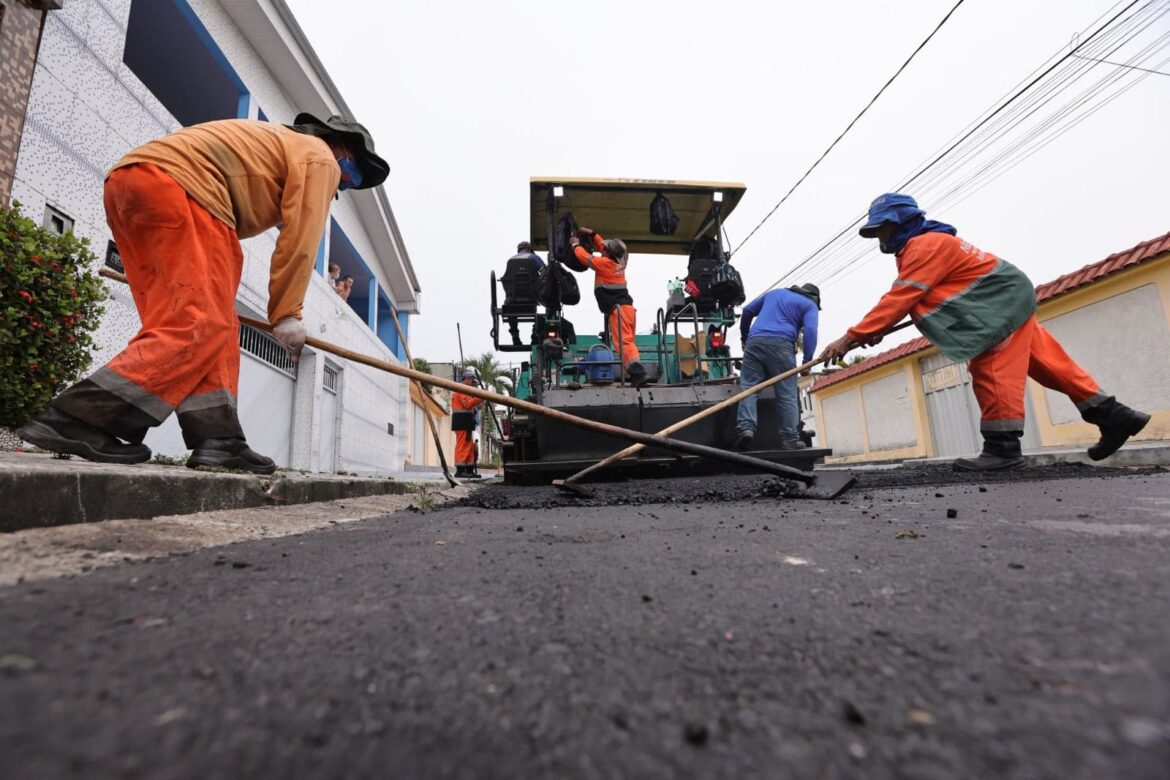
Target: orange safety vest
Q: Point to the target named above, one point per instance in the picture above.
(609, 280)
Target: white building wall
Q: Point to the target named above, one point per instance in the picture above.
(87, 109)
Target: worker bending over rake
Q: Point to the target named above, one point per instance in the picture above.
(979, 308)
(177, 207)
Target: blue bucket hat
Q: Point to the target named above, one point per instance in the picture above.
(891, 207)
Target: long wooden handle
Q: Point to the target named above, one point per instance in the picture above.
(694, 418)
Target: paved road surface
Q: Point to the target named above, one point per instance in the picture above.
(698, 634)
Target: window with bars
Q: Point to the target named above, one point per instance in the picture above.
(263, 346)
(332, 379)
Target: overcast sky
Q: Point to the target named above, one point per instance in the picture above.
(467, 100)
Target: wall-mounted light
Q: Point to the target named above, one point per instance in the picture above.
(558, 191)
(717, 197)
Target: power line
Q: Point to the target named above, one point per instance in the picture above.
(850, 125)
(1010, 119)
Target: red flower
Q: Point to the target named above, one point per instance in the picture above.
(26, 295)
(36, 259)
(74, 293)
(34, 366)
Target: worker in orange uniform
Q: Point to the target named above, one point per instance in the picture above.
(980, 308)
(177, 207)
(464, 421)
(613, 297)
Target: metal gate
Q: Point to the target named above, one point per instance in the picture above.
(953, 412)
(330, 419)
(950, 407)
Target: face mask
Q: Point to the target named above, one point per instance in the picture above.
(351, 174)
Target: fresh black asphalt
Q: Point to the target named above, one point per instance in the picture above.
(662, 629)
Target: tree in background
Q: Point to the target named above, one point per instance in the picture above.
(50, 304)
(424, 366)
(494, 377)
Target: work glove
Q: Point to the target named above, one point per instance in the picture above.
(584, 233)
(574, 242)
(290, 332)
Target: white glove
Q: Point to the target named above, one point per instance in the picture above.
(290, 332)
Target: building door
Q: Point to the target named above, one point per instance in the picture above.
(330, 419)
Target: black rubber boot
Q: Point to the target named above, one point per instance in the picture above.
(744, 440)
(1117, 422)
(792, 445)
(54, 430)
(230, 454)
(636, 373)
(1001, 450)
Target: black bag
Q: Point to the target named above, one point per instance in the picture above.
(727, 285)
(565, 229)
(557, 287)
(663, 220)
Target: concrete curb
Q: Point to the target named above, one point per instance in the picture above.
(38, 491)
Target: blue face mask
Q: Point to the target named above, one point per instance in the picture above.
(351, 174)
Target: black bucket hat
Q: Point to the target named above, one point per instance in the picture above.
(810, 291)
(358, 141)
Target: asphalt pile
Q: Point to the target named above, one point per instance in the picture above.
(727, 487)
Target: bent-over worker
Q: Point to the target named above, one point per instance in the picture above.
(769, 328)
(177, 207)
(980, 308)
(464, 419)
(613, 296)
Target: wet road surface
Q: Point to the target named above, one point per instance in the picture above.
(925, 625)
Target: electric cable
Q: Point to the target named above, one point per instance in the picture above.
(850, 125)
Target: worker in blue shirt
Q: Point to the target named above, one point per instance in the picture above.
(769, 328)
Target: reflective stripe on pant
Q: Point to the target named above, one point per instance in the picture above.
(623, 320)
(1000, 374)
(184, 268)
(764, 358)
(464, 449)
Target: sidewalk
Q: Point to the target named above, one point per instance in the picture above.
(37, 490)
(1133, 454)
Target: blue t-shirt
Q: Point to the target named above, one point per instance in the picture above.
(782, 314)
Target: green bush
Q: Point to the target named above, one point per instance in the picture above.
(50, 303)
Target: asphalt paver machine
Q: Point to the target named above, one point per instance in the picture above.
(685, 350)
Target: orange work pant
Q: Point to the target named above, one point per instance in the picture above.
(184, 268)
(464, 449)
(623, 320)
(1000, 376)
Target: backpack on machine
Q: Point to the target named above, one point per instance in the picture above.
(663, 220)
(565, 229)
(727, 285)
(711, 280)
(557, 287)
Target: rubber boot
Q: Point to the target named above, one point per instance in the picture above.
(744, 440)
(636, 372)
(1001, 450)
(1117, 422)
(54, 430)
(230, 454)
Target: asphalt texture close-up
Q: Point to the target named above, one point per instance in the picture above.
(924, 625)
